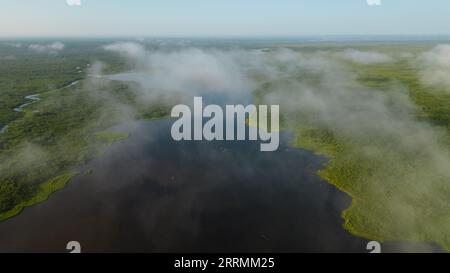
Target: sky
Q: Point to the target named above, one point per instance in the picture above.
(222, 18)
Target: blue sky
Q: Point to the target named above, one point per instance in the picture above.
(222, 18)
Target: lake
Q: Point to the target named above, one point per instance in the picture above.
(150, 193)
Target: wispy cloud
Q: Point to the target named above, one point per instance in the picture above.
(73, 2)
(374, 2)
(365, 57)
(435, 66)
(47, 48)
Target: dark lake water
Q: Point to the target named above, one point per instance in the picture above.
(150, 193)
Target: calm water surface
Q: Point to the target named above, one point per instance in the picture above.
(150, 193)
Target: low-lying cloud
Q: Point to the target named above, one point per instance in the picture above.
(435, 66)
(365, 57)
(47, 48)
(189, 69)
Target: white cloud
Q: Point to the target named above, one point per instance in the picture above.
(127, 49)
(48, 48)
(365, 57)
(374, 2)
(191, 69)
(435, 66)
(73, 2)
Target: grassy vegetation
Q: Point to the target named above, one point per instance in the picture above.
(41, 194)
(386, 188)
(110, 137)
(396, 195)
(434, 102)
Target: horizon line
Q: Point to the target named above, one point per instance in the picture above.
(245, 37)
